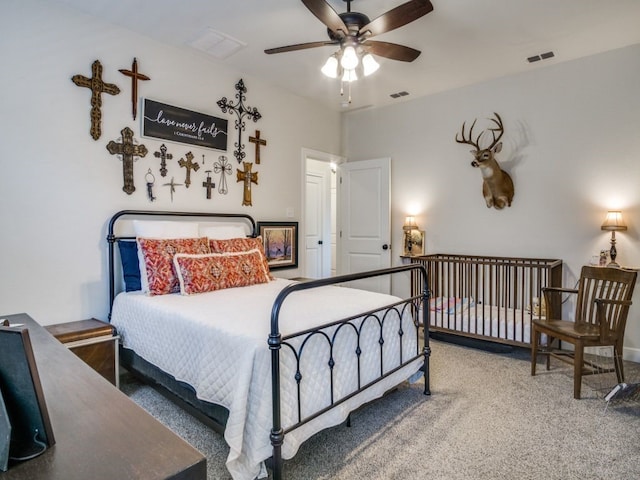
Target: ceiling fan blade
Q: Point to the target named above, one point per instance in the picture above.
(327, 15)
(397, 17)
(391, 50)
(300, 46)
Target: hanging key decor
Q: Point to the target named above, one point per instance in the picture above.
(189, 165)
(151, 180)
(97, 87)
(127, 150)
(163, 156)
(241, 112)
(248, 177)
(135, 76)
(173, 186)
(223, 167)
(260, 142)
(208, 184)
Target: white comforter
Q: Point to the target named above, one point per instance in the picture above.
(217, 343)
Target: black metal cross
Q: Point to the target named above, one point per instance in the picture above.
(241, 111)
(127, 149)
(163, 156)
(223, 167)
(189, 165)
(97, 87)
(208, 184)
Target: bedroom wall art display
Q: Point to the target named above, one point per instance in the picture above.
(98, 87)
(180, 125)
(280, 240)
(414, 243)
(497, 185)
(135, 76)
(241, 112)
(127, 150)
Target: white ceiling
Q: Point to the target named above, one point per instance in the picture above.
(462, 41)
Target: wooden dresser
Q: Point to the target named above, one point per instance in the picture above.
(100, 433)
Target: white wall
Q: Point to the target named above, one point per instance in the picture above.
(59, 187)
(571, 144)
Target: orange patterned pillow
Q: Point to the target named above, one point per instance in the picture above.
(158, 259)
(234, 245)
(215, 271)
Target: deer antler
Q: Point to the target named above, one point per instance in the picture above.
(469, 141)
(499, 128)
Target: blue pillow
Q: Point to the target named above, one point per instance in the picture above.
(130, 266)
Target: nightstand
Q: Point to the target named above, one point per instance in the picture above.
(95, 342)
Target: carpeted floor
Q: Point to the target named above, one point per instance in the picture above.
(487, 418)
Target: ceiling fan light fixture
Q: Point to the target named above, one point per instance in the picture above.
(349, 60)
(330, 68)
(369, 64)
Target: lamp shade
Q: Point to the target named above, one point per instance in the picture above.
(349, 59)
(614, 222)
(369, 64)
(410, 223)
(330, 68)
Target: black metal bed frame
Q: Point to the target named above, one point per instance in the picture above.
(417, 306)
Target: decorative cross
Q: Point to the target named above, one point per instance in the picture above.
(208, 184)
(97, 87)
(248, 177)
(128, 150)
(163, 156)
(135, 76)
(259, 142)
(189, 165)
(223, 167)
(241, 111)
(173, 186)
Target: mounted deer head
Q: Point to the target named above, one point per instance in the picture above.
(497, 186)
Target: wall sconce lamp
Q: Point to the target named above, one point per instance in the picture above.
(409, 225)
(613, 223)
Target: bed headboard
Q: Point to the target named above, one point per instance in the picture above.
(112, 237)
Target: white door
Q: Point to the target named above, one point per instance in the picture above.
(365, 220)
(317, 262)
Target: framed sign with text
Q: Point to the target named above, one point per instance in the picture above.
(176, 124)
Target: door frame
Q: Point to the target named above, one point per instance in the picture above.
(322, 157)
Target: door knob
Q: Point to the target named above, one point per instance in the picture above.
(319, 242)
(385, 247)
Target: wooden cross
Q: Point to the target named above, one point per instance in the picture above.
(241, 111)
(259, 142)
(128, 150)
(248, 177)
(173, 186)
(135, 76)
(208, 185)
(97, 87)
(163, 156)
(189, 165)
(223, 167)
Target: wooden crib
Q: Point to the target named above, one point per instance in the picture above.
(484, 297)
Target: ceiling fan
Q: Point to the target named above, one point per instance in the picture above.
(354, 29)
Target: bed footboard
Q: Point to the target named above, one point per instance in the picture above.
(484, 297)
(395, 314)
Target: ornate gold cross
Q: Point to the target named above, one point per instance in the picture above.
(128, 150)
(135, 76)
(189, 165)
(248, 177)
(97, 87)
(260, 142)
(163, 156)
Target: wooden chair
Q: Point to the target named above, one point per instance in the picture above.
(602, 305)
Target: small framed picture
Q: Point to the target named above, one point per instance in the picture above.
(414, 243)
(280, 240)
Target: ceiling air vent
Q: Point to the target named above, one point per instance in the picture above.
(216, 44)
(542, 56)
(399, 94)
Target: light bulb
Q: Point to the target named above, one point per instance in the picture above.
(330, 68)
(349, 76)
(369, 64)
(349, 59)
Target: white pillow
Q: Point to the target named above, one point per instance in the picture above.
(162, 229)
(223, 231)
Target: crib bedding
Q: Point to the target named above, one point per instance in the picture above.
(216, 342)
